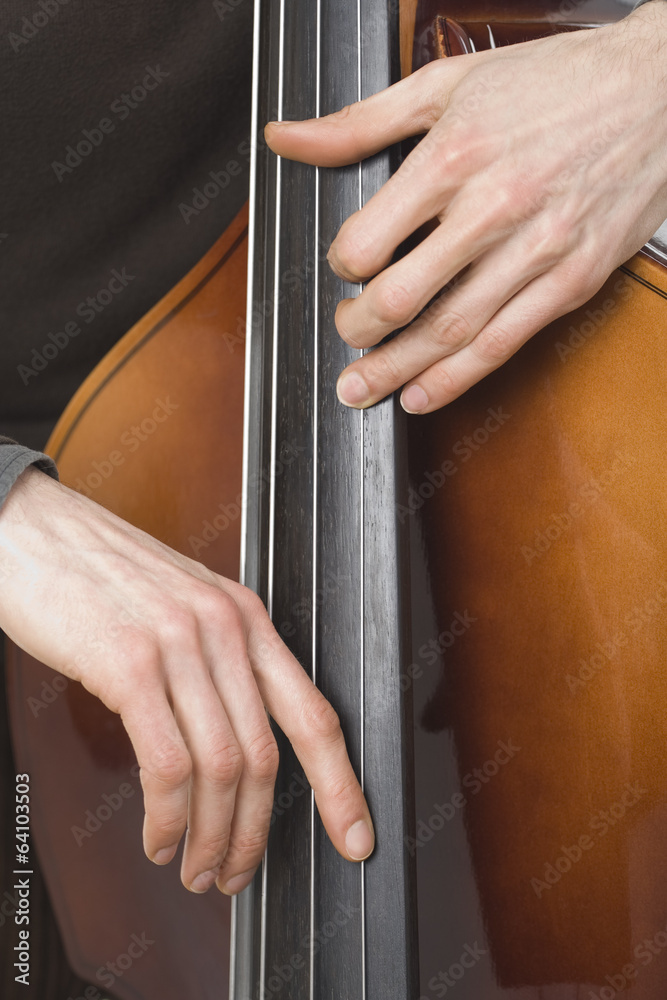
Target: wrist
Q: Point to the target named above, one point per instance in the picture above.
(28, 495)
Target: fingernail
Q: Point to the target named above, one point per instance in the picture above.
(360, 840)
(352, 390)
(414, 399)
(238, 883)
(164, 855)
(204, 881)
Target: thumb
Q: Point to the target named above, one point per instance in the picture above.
(407, 108)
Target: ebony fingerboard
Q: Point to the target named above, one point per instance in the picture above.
(322, 545)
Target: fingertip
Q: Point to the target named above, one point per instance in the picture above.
(360, 840)
(238, 883)
(414, 399)
(340, 271)
(164, 855)
(352, 390)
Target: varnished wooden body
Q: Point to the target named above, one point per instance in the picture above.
(549, 532)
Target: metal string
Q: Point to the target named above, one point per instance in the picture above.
(274, 422)
(246, 398)
(362, 515)
(316, 324)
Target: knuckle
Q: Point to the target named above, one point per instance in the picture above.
(348, 335)
(426, 89)
(171, 765)
(141, 653)
(394, 304)
(449, 330)
(446, 387)
(353, 249)
(249, 843)
(457, 153)
(508, 203)
(343, 113)
(164, 829)
(342, 790)
(224, 765)
(495, 343)
(211, 849)
(385, 368)
(261, 759)
(254, 607)
(581, 278)
(178, 624)
(216, 606)
(321, 720)
(551, 239)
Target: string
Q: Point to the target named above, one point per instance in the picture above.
(316, 323)
(274, 422)
(246, 400)
(362, 517)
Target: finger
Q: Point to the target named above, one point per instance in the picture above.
(447, 326)
(217, 764)
(249, 832)
(312, 726)
(534, 307)
(407, 108)
(165, 766)
(392, 299)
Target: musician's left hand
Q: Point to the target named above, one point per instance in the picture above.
(544, 166)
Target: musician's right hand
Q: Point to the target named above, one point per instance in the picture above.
(190, 661)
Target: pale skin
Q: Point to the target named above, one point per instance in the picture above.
(545, 166)
(189, 660)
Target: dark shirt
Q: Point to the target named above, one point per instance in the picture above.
(113, 113)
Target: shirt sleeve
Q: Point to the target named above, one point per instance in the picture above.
(15, 459)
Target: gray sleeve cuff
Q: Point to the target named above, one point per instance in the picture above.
(15, 459)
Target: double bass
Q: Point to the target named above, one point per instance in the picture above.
(479, 592)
